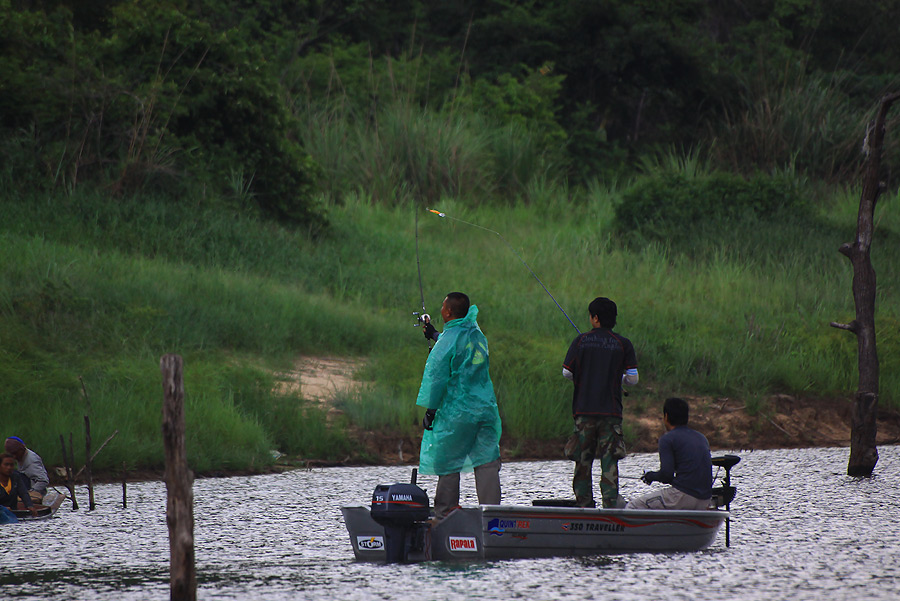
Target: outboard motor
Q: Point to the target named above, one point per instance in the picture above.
(402, 509)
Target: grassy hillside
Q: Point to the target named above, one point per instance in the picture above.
(97, 289)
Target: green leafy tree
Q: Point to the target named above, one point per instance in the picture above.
(158, 98)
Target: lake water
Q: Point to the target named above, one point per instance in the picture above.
(801, 529)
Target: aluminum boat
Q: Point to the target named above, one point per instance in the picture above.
(397, 527)
(509, 531)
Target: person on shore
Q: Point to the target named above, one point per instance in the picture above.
(598, 363)
(31, 466)
(685, 464)
(13, 485)
(462, 422)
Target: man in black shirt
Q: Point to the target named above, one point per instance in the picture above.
(684, 463)
(598, 362)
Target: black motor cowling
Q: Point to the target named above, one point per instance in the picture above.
(401, 509)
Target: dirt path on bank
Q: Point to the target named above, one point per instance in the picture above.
(321, 379)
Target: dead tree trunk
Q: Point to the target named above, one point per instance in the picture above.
(179, 484)
(864, 425)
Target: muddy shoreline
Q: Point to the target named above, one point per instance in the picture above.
(786, 422)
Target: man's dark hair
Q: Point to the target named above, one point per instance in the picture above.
(7, 455)
(677, 411)
(458, 303)
(604, 310)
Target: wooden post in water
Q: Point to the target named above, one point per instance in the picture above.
(124, 481)
(74, 479)
(179, 484)
(88, 475)
(70, 482)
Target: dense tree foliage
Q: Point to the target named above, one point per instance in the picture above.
(148, 94)
(216, 98)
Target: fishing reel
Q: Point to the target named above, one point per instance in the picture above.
(423, 320)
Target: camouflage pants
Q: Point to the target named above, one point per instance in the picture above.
(596, 437)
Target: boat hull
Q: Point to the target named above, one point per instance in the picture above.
(510, 531)
(44, 511)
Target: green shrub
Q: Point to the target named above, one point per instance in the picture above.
(528, 101)
(350, 76)
(672, 204)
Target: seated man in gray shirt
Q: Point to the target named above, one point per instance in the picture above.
(684, 463)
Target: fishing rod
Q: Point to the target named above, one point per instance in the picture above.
(445, 216)
(422, 316)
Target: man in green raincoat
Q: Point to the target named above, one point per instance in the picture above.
(462, 423)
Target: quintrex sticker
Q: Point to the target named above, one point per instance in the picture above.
(497, 526)
(592, 527)
(370, 543)
(463, 543)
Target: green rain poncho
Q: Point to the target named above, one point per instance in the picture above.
(457, 382)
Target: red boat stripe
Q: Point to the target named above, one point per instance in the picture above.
(614, 520)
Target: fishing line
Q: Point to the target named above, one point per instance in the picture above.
(419, 265)
(444, 215)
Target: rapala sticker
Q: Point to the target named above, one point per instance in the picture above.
(463, 543)
(497, 526)
(370, 543)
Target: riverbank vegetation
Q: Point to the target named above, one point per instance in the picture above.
(243, 192)
(99, 289)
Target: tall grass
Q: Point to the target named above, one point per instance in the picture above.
(45, 401)
(809, 121)
(394, 146)
(408, 153)
(105, 314)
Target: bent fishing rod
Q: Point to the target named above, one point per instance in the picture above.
(510, 246)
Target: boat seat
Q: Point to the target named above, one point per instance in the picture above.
(726, 461)
(553, 503)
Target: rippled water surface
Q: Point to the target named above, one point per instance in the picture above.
(801, 530)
